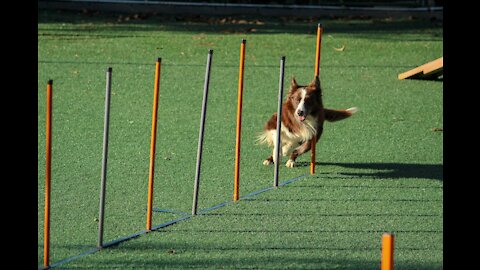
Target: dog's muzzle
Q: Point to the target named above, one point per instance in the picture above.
(301, 115)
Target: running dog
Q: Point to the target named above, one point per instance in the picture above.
(303, 116)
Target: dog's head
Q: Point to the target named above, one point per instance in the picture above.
(306, 100)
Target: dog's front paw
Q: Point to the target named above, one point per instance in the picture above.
(267, 162)
(290, 163)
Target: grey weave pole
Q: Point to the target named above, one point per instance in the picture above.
(104, 157)
(200, 135)
(279, 121)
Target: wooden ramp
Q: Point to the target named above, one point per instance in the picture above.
(428, 71)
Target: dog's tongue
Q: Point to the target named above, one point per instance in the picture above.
(302, 118)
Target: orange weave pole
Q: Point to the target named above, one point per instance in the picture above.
(236, 185)
(319, 47)
(317, 73)
(48, 124)
(152, 144)
(387, 251)
(313, 158)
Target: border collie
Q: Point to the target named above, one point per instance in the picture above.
(303, 116)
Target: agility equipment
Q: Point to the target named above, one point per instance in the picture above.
(318, 48)
(236, 183)
(169, 223)
(387, 251)
(317, 73)
(152, 143)
(279, 121)
(100, 244)
(48, 163)
(200, 133)
(104, 158)
(428, 71)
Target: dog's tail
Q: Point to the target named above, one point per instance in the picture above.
(337, 115)
(264, 138)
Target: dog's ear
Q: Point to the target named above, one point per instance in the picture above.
(315, 83)
(294, 83)
(293, 86)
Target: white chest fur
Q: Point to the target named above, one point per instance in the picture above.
(307, 131)
(290, 140)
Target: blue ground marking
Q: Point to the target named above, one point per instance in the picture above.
(292, 180)
(214, 207)
(163, 225)
(119, 240)
(71, 258)
(169, 211)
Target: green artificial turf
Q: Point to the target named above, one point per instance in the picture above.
(379, 171)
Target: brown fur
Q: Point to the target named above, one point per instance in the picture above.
(300, 133)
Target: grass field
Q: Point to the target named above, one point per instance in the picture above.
(379, 171)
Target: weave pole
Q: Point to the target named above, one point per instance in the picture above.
(387, 251)
(236, 184)
(200, 133)
(317, 73)
(279, 121)
(152, 143)
(48, 163)
(104, 157)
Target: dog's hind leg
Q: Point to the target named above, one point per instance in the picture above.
(270, 138)
(268, 161)
(273, 157)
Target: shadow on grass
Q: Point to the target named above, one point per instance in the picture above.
(182, 256)
(363, 27)
(234, 262)
(387, 170)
